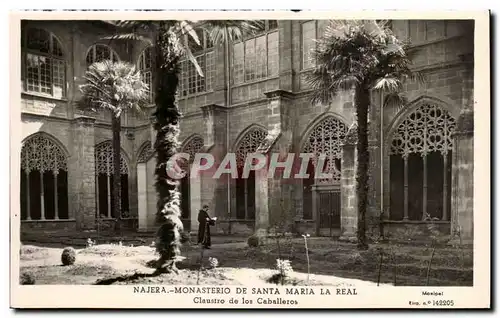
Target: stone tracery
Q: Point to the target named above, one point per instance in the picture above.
(146, 153)
(249, 144)
(428, 128)
(104, 165)
(104, 159)
(326, 139)
(420, 164)
(44, 179)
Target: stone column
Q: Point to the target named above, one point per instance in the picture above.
(280, 198)
(462, 180)
(373, 209)
(82, 196)
(349, 207)
(215, 192)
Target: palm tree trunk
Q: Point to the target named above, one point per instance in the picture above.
(116, 127)
(167, 126)
(362, 100)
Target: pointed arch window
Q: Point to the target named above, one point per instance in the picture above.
(104, 181)
(44, 66)
(325, 139)
(145, 65)
(245, 187)
(44, 180)
(99, 53)
(420, 165)
(194, 146)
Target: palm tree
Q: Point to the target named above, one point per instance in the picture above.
(361, 56)
(171, 46)
(114, 87)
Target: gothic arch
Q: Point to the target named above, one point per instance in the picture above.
(146, 151)
(248, 141)
(44, 178)
(326, 136)
(405, 111)
(104, 179)
(417, 164)
(193, 138)
(314, 123)
(48, 136)
(106, 147)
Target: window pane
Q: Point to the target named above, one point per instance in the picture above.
(261, 57)
(210, 70)
(38, 69)
(272, 54)
(32, 73)
(59, 78)
(250, 60)
(146, 77)
(308, 44)
(238, 62)
(56, 47)
(200, 80)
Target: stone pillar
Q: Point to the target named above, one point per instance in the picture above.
(462, 180)
(215, 192)
(373, 209)
(349, 207)
(279, 140)
(82, 174)
(142, 196)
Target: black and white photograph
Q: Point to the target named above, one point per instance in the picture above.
(251, 162)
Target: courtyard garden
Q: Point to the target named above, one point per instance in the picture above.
(232, 261)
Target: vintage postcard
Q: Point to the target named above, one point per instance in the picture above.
(250, 159)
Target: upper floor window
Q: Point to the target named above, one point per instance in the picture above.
(191, 82)
(310, 31)
(44, 65)
(145, 65)
(99, 53)
(257, 57)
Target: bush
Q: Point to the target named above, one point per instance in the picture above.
(214, 262)
(253, 241)
(68, 256)
(27, 278)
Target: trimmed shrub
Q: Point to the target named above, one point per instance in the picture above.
(253, 241)
(27, 278)
(68, 256)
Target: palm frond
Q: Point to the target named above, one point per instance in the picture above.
(395, 99)
(146, 25)
(129, 37)
(388, 84)
(221, 31)
(189, 55)
(113, 86)
(187, 28)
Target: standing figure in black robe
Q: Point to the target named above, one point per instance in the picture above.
(204, 228)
